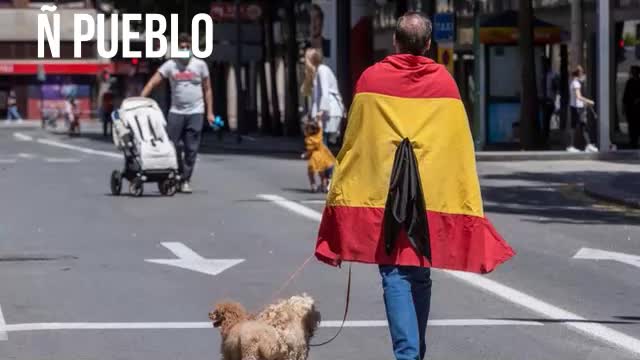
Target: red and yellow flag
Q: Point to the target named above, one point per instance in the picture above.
(408, 97)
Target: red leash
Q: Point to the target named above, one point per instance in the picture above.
(291, 278)
(346, 305)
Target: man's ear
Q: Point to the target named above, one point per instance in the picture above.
(428, 44)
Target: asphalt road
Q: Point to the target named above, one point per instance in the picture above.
(74, 283)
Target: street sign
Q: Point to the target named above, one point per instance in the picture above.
(445, 55)
(444, 27)
(190, 260)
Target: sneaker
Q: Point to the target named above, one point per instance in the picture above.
(591, 148)
(185, 187)
(572, 149)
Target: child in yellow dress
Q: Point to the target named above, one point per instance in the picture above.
(320, 159)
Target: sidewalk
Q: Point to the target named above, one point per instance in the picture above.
(264, 144)
(253, 144)
(619, 189)
(24, 124)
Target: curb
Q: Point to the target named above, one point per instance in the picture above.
(556, 155)
(612, 196)
(480, 156)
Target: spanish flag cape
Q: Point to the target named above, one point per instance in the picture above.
(405, 189)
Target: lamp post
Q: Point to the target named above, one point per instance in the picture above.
(604, 73)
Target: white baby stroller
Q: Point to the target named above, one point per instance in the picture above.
(139, 131)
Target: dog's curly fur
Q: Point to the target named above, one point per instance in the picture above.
(280, 332)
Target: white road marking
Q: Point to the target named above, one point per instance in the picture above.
(207, 325)
(3, 327)
(313, 201)
(22, 137)
(292, 206)
(61, 160)
(597, 254)
(80, 148)
(190, 260)
(511, 295)
(439, 322)
(8, 161)
(26, 156)
(574, 321)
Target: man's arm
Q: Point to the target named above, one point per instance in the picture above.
(208, 99)
(155, 80)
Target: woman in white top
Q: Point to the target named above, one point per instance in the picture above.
(578, 104)
(326, 102)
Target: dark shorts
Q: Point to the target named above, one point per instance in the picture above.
(328, 173)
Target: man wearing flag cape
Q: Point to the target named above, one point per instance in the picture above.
(405, 193)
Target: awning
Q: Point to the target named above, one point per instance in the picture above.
(53, 68)
(503, 29)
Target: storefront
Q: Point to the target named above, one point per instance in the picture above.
(500, 78)
(46, 85)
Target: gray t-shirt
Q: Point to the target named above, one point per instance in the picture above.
(186, 84)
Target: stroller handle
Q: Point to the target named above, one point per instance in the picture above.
(115, 115)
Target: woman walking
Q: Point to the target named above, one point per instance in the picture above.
(326, 102)
(578, 105)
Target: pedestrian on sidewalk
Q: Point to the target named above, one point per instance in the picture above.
(12, 108)
(551, 92)
(580, 125)
(631, 105)
(419, 208)
(326, 102)
(72, 116)
(191, 96)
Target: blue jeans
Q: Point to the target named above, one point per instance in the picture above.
(13, 114)
(407, 296)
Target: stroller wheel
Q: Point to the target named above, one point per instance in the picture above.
(136, 188)
(116, 182)
(168, 187)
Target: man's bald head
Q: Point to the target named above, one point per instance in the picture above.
(413, 34)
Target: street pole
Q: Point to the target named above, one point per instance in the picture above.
(238, 75)
(576, 33)
(292, 125)
(476, 77)
(604, 73)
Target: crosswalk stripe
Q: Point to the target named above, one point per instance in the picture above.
(61, 160)
(22, 137)
(80, 148)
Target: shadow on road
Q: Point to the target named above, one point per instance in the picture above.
(554, 198)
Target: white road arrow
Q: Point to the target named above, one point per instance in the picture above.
(190, 260)
(596, 254)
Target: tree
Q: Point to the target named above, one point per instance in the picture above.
(529, 93)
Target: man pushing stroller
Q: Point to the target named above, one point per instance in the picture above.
(191, 94)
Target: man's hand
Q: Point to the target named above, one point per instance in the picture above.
(155, 80)
(211, 118)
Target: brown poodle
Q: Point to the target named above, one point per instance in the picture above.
(280, 332)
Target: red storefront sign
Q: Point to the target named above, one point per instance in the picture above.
(227, 11)
(53, 68)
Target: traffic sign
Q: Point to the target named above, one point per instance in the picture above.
(444, 27)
